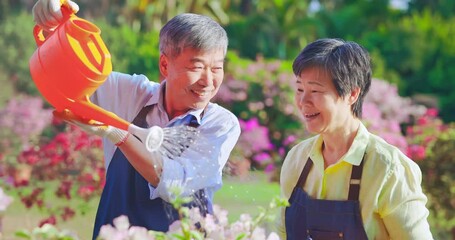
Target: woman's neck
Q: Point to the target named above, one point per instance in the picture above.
(337, 144)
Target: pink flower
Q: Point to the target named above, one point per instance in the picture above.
(416, 152)
(270, 168)
(262, 157)
(5, 200)
(289, 140)
(432, 112)
(422, 121)
(50, 220)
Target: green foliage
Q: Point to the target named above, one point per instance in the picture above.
(381, 71)
(351, 19)
(274, 29)
(46, 232)
(439, 182)
(7, 89)
(444, 7)
(420, 53)
(17, 47)
(132, 52)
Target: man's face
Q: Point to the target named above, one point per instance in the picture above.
(192, 79)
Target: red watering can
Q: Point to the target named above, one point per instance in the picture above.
(68, 66)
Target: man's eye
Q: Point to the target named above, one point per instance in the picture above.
(196, 68)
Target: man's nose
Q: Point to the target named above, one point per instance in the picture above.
(206, 77)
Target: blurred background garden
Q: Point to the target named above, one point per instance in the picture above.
(54, 172)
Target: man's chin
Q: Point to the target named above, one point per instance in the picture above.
(199, 105)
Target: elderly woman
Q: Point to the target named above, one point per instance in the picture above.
(346, 183)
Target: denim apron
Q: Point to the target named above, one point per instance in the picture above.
(318, 219)
(126, 192)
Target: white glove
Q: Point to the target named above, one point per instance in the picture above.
(48, 15)
(115, 135)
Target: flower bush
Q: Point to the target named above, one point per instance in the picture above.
(261, 94)
(191, 226)
(385, 113)
(51, 159)
(431, 144)
(70, 165)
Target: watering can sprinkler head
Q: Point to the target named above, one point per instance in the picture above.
(168, 141)
(152, 137)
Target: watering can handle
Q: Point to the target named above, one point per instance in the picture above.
(38, 32)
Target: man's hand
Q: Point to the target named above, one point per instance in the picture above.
(48, 15)
(115, 135)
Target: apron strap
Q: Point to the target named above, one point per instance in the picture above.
(304, 174)
(354, 183)
(140, 120)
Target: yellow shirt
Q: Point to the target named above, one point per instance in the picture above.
(392, 203)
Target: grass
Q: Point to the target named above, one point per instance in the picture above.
(237, 196)
(246, 195)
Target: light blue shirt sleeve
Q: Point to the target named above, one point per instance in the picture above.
(124, 95)
(200, 166)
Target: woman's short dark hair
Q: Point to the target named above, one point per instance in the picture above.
(347, 63)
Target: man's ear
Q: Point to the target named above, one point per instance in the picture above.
(355, 93)
(163, 64)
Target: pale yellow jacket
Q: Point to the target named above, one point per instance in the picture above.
(392, 203)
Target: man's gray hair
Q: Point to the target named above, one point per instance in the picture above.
(189, 30)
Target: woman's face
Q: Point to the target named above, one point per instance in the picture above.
(192, 79)
(323, 111)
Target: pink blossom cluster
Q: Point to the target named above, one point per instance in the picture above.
(26, 117)
(72, 157)
(384, 111)
(5, 200)
(212, 227)
(423, 134)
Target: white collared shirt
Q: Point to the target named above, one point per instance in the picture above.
(200, 166)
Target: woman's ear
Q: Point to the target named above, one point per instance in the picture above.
(163, 64)
(355, 93)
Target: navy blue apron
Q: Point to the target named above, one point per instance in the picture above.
(318, 219)
(126, 192)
